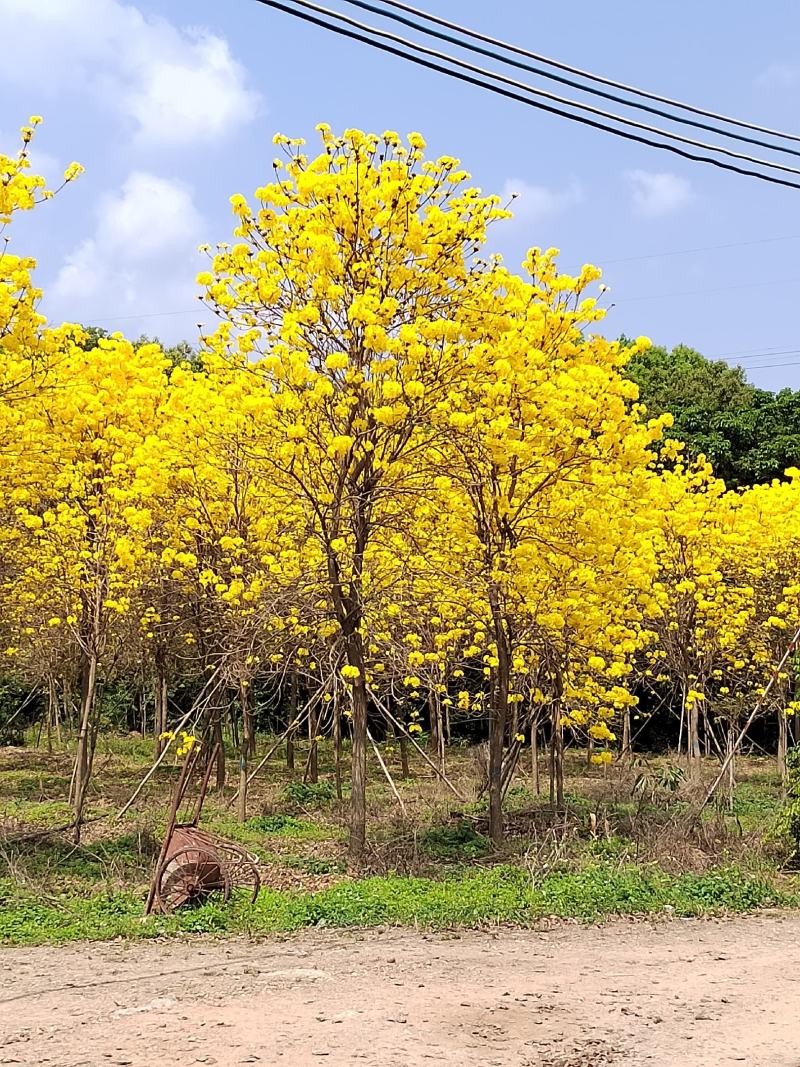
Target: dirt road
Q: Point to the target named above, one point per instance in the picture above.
(679, 992)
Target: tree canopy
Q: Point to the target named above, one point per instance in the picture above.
(750, 435)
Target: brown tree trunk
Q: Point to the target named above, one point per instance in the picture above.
(693, 739)
(245, 749)
(498, 717)
(783, 744)
(537, 785)
(337, 749)
(218, 741)
(86, 739)
(52, 712)
(731, 773)
(627, 743)
(312, 766)
(437, 729)
(293, 694)
(403, 742)
(556, 755)
(161, 704)
(358, 764)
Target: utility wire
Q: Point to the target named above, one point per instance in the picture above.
(492, 54)
(756, 353)
(705, 248)
(510, 94)
(486, 39)
(368, 34)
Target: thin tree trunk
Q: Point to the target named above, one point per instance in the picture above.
(245, 748)
(437, 728)
(693, 738)
(293, 695)
(358, 767)
(337, 749)
(52, 711)
(556, 755)
(783, 743)
(404, 770)
(161, 699)
(86, 735)
(537, 785)
(683, 719)
(218, 741)
(627, 743)
(312, 766)
(731, 772)
(497, 721)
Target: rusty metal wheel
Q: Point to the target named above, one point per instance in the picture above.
(241, 867)
(190, 877)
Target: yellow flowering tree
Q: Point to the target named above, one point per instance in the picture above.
(352, 294)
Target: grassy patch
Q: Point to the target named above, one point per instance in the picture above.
(499, 895)
(284, 826)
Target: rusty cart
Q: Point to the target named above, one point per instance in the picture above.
(194, 865)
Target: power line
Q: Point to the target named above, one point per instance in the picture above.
(705, 248)
(754, 361)
(715, 289)
(475, 35)
(513, 95)
(769, 366)
(753, 353)
(492, 54)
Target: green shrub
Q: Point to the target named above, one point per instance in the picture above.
(309, 794)
(456, 843)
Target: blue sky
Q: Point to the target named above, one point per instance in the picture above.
(171, 106)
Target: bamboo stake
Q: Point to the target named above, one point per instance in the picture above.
(389, 778)
(439, 773)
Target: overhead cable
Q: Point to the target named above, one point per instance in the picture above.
(369, 37)
(384, 10)
(644, 93)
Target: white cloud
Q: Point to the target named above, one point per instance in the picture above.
(535, 203)
(658, 194)
(779, 76)
(141, 259)
(175, 85)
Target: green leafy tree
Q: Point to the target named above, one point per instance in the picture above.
(750, 435)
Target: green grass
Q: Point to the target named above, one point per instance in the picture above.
(497, 895)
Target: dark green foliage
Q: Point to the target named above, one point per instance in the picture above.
(286, 825)
(749, 434)
(309, 794)
(454, 843)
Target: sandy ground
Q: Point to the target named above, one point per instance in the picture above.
(674, 993)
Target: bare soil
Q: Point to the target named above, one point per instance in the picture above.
(705, 993)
